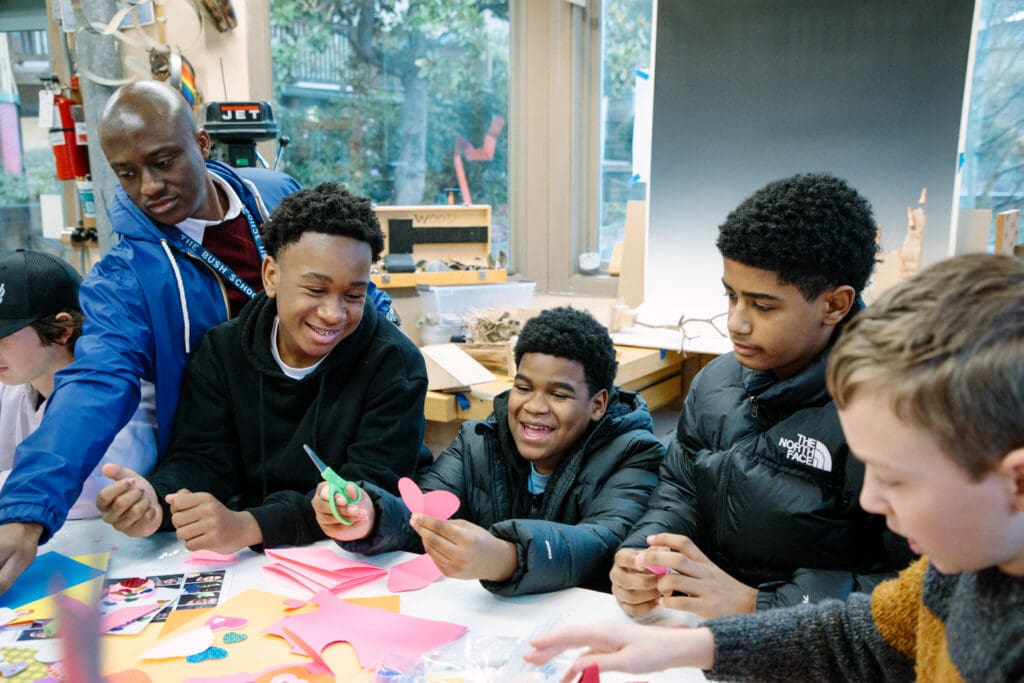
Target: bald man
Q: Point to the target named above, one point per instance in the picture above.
(188, 258)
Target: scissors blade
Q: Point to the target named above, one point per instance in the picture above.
(320, 465)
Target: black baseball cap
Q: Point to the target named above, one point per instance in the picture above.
(33, 286)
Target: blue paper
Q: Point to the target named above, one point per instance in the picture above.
(38, 580)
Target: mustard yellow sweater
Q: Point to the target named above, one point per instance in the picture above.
(923, 626)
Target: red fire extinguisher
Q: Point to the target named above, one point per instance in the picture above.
(71, 158)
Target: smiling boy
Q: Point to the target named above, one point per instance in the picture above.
(756, 506)
(928, 384)
(309, 361)
(549, 483)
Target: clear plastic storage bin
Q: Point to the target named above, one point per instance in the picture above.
(443, 308)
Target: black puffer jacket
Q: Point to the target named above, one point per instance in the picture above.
(241, 422)
(567, 537)
(761, 478)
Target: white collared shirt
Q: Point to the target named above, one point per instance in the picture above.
(196, 227)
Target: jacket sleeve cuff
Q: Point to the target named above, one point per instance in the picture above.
(512, 584)
(285, 522)
(33, 513)
(391, 529)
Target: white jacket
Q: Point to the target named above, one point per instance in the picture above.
(133, 447)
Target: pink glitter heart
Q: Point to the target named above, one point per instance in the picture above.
(217, 622)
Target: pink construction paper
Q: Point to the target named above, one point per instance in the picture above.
(315, 580)
(438, 504)
(414, 574)
(210, 557)
(319, 666)
(126, 615)
(373, 633)
(219, 622)
(323, 560)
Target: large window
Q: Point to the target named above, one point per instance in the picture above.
(27, 167)
(406, 102)
(625, 63)
(993, 172)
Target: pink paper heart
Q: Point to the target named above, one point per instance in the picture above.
(437, 504)
(291, 603)
(218, 622)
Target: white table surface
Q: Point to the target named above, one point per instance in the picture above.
(458, 601)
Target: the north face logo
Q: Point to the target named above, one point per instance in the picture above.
(807, 451)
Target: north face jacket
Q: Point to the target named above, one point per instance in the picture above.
(759, 475)
(242, 422)
(567, 536)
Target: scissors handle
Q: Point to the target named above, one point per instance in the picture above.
(337, 485)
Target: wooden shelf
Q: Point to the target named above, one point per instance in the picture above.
(448, 277)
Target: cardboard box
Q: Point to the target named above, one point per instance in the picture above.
(449, 368)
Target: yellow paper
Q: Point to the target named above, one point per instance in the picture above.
(255, 654)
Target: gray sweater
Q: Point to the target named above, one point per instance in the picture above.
(923, 625)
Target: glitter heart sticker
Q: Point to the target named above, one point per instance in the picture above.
(208, 653)
(232, 637)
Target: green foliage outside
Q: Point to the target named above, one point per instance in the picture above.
(39, 177)
(436, 66)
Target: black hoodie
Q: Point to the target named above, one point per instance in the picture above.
(241, 422)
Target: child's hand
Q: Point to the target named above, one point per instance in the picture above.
(635, 589)
(464, 550)
(361, 514)
(696, 584)
(204, 523)
(627, 647)
(129, 504)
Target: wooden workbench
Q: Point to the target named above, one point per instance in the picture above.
(658, 375)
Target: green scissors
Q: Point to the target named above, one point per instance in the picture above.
(335, 484)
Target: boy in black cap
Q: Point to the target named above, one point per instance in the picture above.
(40, 320)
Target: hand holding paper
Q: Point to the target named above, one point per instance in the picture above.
(129, 504)
(695, 584)
(464, 550)
(635, 589)
(360, 515)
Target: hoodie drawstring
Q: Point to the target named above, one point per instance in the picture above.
(181, 295)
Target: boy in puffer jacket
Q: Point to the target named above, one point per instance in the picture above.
(549, 484)
(757, 496)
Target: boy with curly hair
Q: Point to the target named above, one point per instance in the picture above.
(928, 384)
(549, 484)
(756, 506)
(308, 361)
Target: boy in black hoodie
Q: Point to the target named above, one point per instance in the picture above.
(309, 361)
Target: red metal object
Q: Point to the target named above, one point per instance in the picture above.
(71, 159)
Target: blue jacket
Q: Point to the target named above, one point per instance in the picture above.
(565, 537)
(147, 304)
